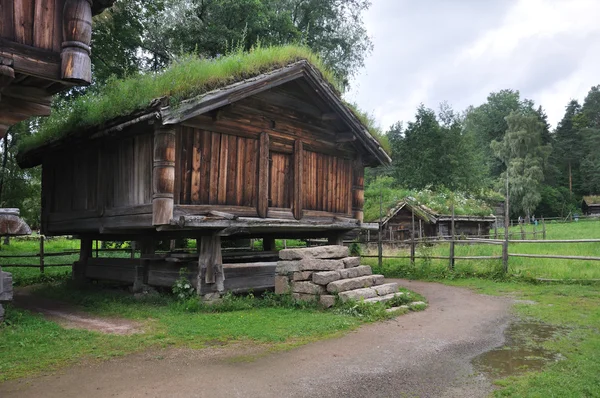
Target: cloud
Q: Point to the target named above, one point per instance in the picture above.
(460, 51)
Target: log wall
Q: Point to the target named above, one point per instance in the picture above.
(35, 23)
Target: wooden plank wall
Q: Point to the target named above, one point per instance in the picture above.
(215, 168)
(127, 170)
(326, 182)
(74, 181)
(281, 179)
(36, 23)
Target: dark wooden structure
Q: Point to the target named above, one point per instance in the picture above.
(590, 205)
(275, 156)
(397, 225)
(44, 49)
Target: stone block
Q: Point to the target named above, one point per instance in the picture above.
(386, 288)
(350, 262)
(302, 276)
(355, 283)
(287, 267)
(282, 284)
(303, 297)
(358, 294)
(307, 288)
(327, 300)
(315, 264)
(326, 277)
(355, 272)
(324, 252)
(382, 299)
(6, 286)
(1, 313)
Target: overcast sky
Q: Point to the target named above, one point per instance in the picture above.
(459, 51)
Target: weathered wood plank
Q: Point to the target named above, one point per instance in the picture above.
(23, 21)
(163, 176)
(223, 171)
(214, 168)
(7, 29)
(196, 166)
(43, 29)
(263, 176)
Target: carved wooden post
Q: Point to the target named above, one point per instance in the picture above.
(163, 176)
(210, 264)
(76, 65)
(85, 252)
(358, 193)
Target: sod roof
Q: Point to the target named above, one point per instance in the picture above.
(183, 80)
(592, 200)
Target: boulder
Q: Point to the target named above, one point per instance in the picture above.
(282, 284)
(307, 288)
(350, 262)
(325, 252)
(326, 277)
(355, 283)
(358, 294)
(6, 287)
(355, 272)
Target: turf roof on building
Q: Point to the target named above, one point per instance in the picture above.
(183, 80)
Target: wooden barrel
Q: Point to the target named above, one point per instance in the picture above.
(76, 65)
(163, 176)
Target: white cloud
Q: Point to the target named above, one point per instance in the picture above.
(428, 52)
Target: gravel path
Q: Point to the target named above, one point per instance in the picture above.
(423, 354)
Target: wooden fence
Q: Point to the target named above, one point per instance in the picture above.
(505, 250)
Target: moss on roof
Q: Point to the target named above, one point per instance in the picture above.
(592, 199)
(183, 79)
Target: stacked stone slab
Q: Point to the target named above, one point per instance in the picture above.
(6, 290)
(326, 271)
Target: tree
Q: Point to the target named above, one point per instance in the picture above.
(567, 149)
(434, 152)
(136, 35)
(524, 154)
(19, 188)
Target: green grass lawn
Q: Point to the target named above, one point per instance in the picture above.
(518, 267)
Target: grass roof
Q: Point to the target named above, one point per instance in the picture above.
(183, 79)
(592, 199)
(439, 202)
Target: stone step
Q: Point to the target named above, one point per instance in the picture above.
(386, 288)
(384, 298)
(355, 272)
(357, 294)
(326, 277)
(343, 285)
(319, 252)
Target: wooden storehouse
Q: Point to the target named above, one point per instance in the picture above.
(590, 206)
(44, 49)
(398, 223)
(277, 155)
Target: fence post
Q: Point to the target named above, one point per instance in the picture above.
(412, 240)
(496, 229)
(42, 254)
(379, 241)
(523, 235)
(451, 264)
(534, 232)
(506, 217)
(543, 229)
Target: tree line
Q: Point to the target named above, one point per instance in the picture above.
(507, 137)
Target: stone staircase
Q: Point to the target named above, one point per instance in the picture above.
(327, 271)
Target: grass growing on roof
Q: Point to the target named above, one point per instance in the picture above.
(183, 79)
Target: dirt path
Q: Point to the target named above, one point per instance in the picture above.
(424, 354)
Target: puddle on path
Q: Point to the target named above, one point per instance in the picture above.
(522, 351)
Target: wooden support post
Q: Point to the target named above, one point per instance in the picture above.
(76, 65)
(452, 242)
(210, 264)
(42, 254)
(420, 229)
(163, 176)
(336, 239)
(79, 267)
(263, 176)
(268, 244)
(298, 176)
(132, 254)
(97, 248)
(380, 241)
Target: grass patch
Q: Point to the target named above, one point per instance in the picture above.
(184, 79)
(274, 321)
(572, 307)
(519, 268)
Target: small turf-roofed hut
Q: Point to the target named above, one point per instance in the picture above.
(398, 223)
(44, 49)
(276, 154)
(590, 206)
